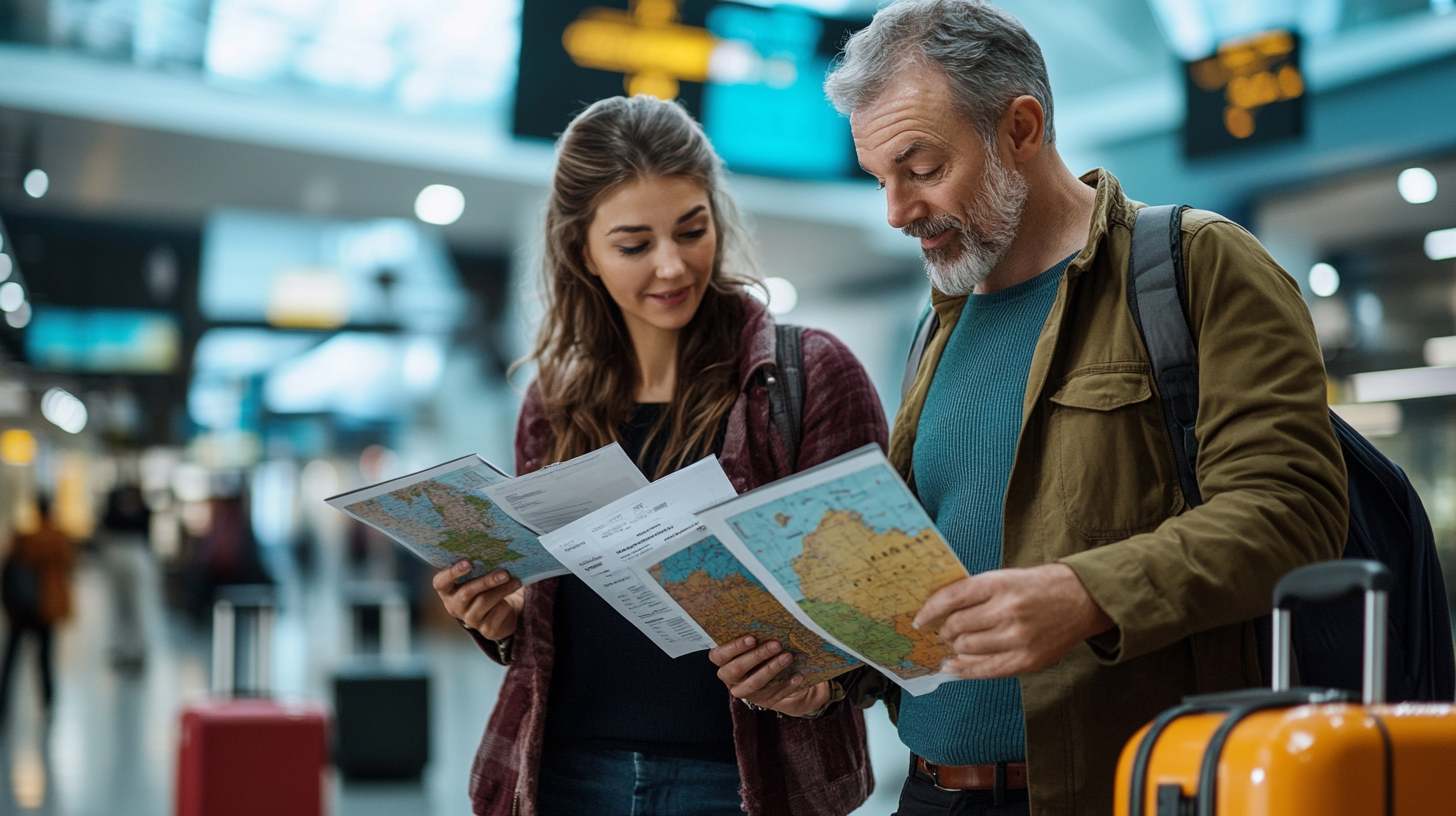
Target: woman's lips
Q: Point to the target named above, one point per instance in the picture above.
(672, 298)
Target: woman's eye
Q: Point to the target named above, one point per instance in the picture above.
(633, 250)
(694, 235)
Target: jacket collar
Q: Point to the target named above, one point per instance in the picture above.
(757, 343)
(1111, 208)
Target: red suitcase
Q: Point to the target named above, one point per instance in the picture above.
(250, 756)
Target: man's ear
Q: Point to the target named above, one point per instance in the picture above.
(1023, 127)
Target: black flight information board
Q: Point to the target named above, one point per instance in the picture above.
(1249, 93)
(753, 76)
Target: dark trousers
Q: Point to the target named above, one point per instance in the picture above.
(12, 646)
(920, 797)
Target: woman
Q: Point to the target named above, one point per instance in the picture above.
(650, 340)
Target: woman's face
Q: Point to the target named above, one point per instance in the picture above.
(652, 243)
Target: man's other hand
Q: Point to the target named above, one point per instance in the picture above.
(1010, 622)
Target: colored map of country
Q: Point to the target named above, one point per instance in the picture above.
(445, 518)
(860, 557)
(728, 602)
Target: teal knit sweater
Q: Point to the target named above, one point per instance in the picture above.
(964, 448)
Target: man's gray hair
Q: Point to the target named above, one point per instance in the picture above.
(985, 53)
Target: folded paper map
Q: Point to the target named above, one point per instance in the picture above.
(847, 545)
(728, 602)
(466, 508)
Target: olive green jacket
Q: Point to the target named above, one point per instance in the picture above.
(1094, 486)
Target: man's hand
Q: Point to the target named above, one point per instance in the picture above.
(1010, 622)
(753, 674)
(490, 604)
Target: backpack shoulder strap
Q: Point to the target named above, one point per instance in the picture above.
(1155, 294)
(786, 391)
(929, 324)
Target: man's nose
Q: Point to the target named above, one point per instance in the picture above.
(901, 208)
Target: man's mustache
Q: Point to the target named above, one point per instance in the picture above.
(931, 227)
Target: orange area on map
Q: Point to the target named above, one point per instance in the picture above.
(735, 606)
(887, 577)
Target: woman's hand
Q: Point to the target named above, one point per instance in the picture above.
(490, 604)
(752, 673)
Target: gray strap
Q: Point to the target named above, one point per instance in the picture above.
(786, 391)
(928, 327)
(1155, 295)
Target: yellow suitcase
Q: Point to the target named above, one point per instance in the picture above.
(1301, 751)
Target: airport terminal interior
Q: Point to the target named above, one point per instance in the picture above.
(254, 254)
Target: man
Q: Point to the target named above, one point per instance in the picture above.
(1035, 439)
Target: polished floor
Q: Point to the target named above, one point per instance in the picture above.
(109, 748)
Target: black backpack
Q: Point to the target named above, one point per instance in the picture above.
(20, 590)
(1387, 521)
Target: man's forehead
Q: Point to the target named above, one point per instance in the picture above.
(915, 105)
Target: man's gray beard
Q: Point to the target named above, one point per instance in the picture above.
(984, 231)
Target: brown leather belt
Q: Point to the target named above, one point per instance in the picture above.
(973, 777)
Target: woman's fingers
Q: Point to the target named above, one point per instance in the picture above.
(444, 580)
(722, 655)
(744, 661)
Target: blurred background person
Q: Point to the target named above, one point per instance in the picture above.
(126, 551)
(36, 582)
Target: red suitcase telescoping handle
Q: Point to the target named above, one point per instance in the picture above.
(1327, 582)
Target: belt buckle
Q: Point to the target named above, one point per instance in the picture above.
(935, 777)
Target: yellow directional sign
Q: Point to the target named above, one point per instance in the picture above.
(647, 44)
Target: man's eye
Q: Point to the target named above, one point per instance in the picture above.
(924, 176)
(633, 250)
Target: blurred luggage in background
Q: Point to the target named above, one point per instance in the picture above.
(242, 753)
(381, 692)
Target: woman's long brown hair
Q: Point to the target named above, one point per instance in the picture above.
(587, 365)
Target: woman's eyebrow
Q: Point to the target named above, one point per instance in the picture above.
(684, 218)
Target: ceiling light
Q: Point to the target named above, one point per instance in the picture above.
(20, 318)
(440, 204)
(11, 296)
(1440, 351)
(6, 266)
(1416, 185)
(36, 183)
(1441, 244)
(779, 294)
(63, 410)
(1324, 280)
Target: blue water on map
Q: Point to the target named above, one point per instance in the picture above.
(775, 531)
(708, 555)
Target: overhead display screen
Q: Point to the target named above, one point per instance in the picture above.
(101, 341)
(1251, 92)
(753, 76)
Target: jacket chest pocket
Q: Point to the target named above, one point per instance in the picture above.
(1115, 475)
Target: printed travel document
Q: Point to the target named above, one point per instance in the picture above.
(599, 548)
(468, 508)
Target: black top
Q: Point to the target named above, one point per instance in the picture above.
(613, 688)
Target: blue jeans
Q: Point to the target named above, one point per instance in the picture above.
(591, 782)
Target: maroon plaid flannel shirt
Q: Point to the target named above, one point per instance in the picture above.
(789, 766)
